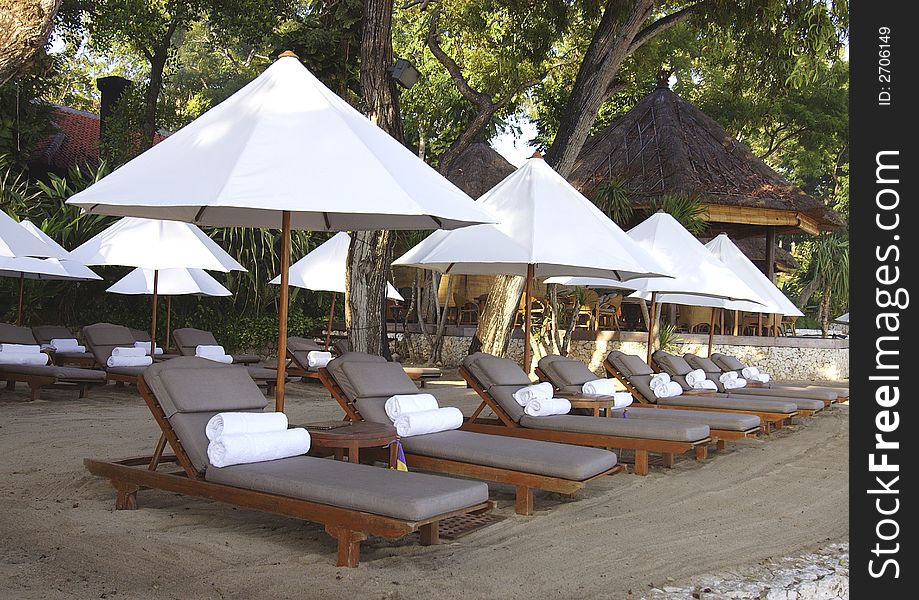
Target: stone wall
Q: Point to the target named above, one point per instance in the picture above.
(784, 358)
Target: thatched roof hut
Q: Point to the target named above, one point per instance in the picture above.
(478, 169)
(665, 145)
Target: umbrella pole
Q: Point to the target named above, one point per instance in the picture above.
(328, 333)
(529, 313)
(282, 312)
(759, 323)
(168, 322)
(651, 319)
(22, 278)
(736, 318)
(711, 333)
(156, 280)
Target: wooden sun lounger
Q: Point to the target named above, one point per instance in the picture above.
(45, 333)
(770, 420)
(525, 483)
(349, 527)
(719, 436)
(505, 425)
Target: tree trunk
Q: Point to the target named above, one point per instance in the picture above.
(493, 328)
(371, 251)
(26, 25)
(151, 96)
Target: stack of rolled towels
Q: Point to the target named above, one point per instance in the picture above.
(22, 354)
(697, 380)
(236, 438)
(129, 357)
(146, 347)
(66, 345)
(419, 414)
(663, 387)
(731, 381)
(754, 374)
(537, 401)
(317, 359)
(607, 389)
(215, 353)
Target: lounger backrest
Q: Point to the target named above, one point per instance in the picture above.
(300, 347)
(628, 364)
(712, 371)
(191, 390)
(14, 334)
(341, 346)
(45, 333)
(102, 338)
(189, 338)
(501, 377)
(675, 366)
(140, 335)
(567, 374)
(727, 362)
(362, 375)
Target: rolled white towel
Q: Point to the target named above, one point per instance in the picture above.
(725, 377)
(622, 399)
(20, 348)
(23, 358)
(763, 377)
(202, 349)
(428, 421)
(546, 407)
(659, 380)
(599, 387)
(694, 377)
(128, 351)
(400, 404)
(246, 448)
(749, 372)
(668, 390)
(145, 346)
(706, 384)
(236, 423)
(221, 358)
(129, 361)
(67, 345)
(539, 391)
(733, 384)
(317, 359)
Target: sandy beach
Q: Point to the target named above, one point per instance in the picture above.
(782, 495)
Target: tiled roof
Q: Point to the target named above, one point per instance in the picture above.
(74, 139)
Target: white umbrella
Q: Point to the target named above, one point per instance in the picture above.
(155, 245)
(74, 269)
(697, 272)
(14, 241)
(169, 283)
(325, 269)
(844, 318)
(282, 152)
(546, 228)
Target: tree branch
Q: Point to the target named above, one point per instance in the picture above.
(662, 25)
(778, 144)
(462, 84)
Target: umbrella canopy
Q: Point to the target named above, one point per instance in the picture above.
(14, 241)
(844, 318)
(543, 222)
(323, 269)
(72, 269)
(172, 282)
(283, 143)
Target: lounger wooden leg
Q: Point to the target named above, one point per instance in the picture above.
(667, 459)
(126, 498)
(10, 385)
(430, 534)
(721, 444)
(34, 392)
(523, 504)
(779, 424)
(83, 388)
(701, 452)
(641, 462)
(349, 545)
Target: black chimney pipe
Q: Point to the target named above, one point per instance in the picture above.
(112, 88)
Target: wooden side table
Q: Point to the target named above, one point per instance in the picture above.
(352, 437)
(596, 405)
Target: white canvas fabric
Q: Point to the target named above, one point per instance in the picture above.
(155, 244)
(284, 142)
(14, 241)
(540, 216)
(61, 267)
(171, 282)
(324, 269)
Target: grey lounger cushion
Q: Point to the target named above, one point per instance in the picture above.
(724, 403)
(300, 347)
(628, 364)
(102, 338)
(776, 395)
(45, 333)
(566, 372)
(490, 370)
(634, 428)
(14, 334)
(814, 393)
(387, 492)
(362, 376)
(189, 338)
(73, 374)
(715, 420)
(727, 362)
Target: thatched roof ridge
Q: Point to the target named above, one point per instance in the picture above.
(478, 169)
(666, 145)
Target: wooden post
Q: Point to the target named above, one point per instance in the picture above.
(22, 278)
(282, 313)
(711, 332)
(770, 253)
(156, 280)
(759, 323)
(651, 321)
(721, 321)
(736, 319)
(328, 333)
(528, 290)
(168, 323)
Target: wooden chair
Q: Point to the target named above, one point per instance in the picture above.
(524, 482)
(466, 311)
(348, 526)
(608, 311)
